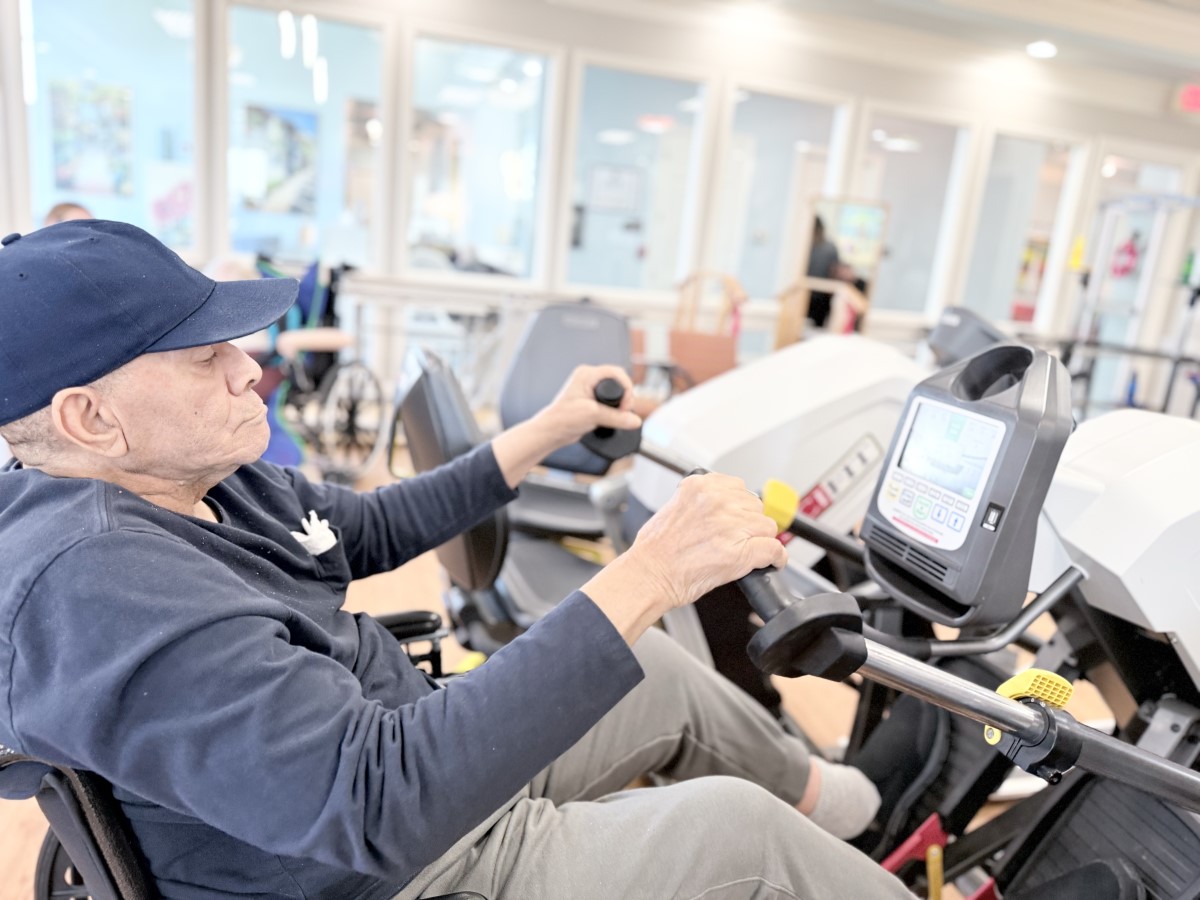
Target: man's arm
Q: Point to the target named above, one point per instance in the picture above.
(200, 701)
(386, 528)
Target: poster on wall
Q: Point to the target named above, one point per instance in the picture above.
(278, 161)
(615, 188)
(858, 228)
(92, 138)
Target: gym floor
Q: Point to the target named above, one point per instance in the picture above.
(825, 710)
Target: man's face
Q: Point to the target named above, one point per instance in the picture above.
(190, 415)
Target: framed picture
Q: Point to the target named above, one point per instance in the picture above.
(92, 137)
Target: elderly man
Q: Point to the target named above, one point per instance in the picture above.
(167, 622)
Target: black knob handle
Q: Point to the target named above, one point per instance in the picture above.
(610, 392)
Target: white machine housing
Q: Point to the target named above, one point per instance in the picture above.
(1125, 508)
(818, 414)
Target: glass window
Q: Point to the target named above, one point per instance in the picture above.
(110, 111)
(1124, 257)
(1020, 206)
(907, 167)
(305, 128)
(475, 157)
(635, 168)
(775, 167)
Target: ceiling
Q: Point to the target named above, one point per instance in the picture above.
(1156, 38)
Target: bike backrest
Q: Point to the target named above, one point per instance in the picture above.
(439, 426)
(557, 339)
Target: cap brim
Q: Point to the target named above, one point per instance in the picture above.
(234, 309)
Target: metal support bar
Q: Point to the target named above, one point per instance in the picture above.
(958, 695)
(1099, 753)
(1042, 603)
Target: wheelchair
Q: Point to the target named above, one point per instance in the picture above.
(320, 407)
(89, 851)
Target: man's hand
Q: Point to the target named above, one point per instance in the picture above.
(575, 411)
(570, 415)
(712, 531)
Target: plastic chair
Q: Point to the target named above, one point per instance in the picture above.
(500, 581)
(89, 851)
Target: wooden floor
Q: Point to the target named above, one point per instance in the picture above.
(825, 710)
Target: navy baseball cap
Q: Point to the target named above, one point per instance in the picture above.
(82, 298)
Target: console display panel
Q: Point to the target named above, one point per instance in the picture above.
(934, 486)
(950, 449)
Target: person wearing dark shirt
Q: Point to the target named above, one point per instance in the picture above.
(171, 619)
(822, 263)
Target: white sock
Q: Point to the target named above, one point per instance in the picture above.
(847, 802)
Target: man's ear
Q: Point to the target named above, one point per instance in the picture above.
(83, 416)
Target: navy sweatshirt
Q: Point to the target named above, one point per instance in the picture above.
(264, 742)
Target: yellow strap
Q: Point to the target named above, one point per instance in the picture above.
(934, 873)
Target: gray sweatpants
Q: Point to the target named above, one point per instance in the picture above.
(727, 829)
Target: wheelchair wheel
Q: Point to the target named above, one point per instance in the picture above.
(350, 421)
(56, 877)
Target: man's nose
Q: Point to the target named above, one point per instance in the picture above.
(243, 371)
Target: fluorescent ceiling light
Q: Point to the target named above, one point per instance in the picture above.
(287, 35)
(177, 23)
(1041, 50)
(320, 72)
(879, 135)
(308, 40)
(532, 68)
(459, 95)
(616, 137)
(902, 145)
(480, 74)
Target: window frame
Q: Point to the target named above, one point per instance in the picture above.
(696, 204)
(844, 107)
(1065, 221)
(962, 181)
(548, 157)
(368, 17)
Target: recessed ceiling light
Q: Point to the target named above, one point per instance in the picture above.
(902, 145)
(616, 137)
(879, 135)
(1109, 169)
(1041, 50)
(532, 68)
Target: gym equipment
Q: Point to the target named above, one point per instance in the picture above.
(973, 439)
(1122, 618)
(558, 338)
(500, 581)
(821, 636)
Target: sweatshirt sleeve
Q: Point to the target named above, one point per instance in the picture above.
(385, 528)
(198, 702)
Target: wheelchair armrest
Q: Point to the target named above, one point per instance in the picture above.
(411, 626)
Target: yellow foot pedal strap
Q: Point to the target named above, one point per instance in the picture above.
(1038, 684)
(1056, 749)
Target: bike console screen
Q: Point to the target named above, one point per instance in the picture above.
(934, 485)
